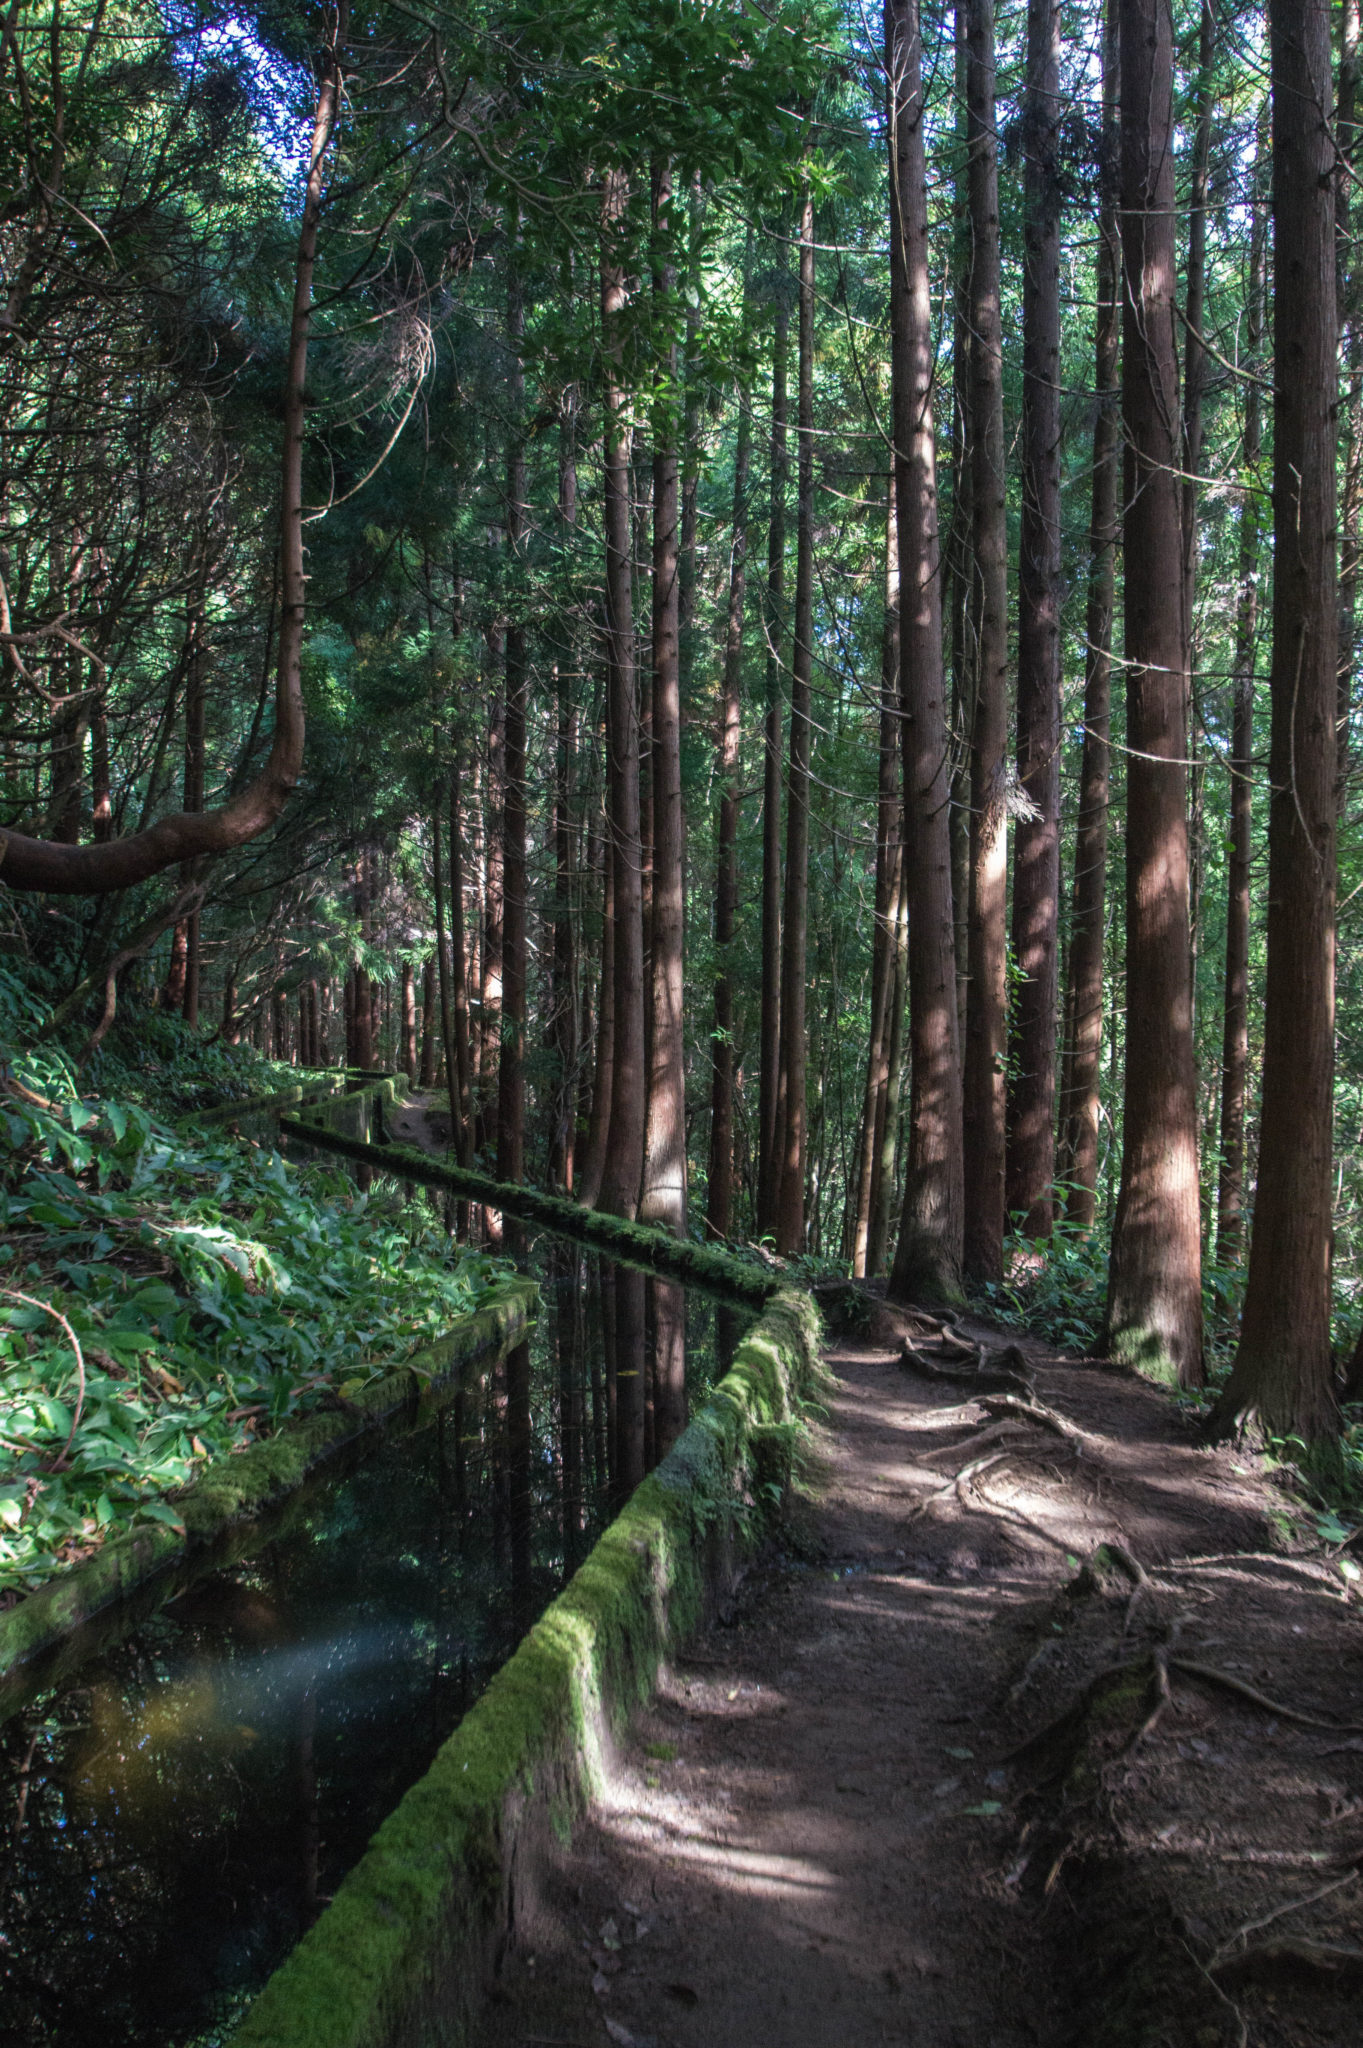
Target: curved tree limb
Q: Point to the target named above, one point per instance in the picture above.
(98, 869)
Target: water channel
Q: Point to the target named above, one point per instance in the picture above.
(174, 1817)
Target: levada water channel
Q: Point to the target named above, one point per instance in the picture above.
(180, 1811)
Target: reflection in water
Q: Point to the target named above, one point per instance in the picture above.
(183, 1810)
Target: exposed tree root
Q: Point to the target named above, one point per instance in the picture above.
(994, 1374)
(1291, 1953)
(1212, 1676)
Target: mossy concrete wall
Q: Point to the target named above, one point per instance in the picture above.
(403, 1955)
(329, 1126)
(47, 1635)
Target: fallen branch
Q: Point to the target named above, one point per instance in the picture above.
(32, 1301)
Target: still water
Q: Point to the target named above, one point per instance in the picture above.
(174, 1818)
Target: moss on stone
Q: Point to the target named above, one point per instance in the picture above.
(402, 1953)
(241, 1488)
(699, 1265)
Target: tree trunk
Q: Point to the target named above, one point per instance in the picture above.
(1080, 1094)
(564, 969)
(442, 954)
(409, 1022)
(461, 1088)
(1154, 1305)
(603, 1083)
(1347, 271)
(928, 1256)
(719, 1219)
(1036, 838)
(792, 1133)
(986, 1041)
(622, 1167)
(889, 851)
(1282, 1370)
(494, 910)
(769, 1057)
(1230, 1201)
(511, 1065)
(429, 1053)
(663, 1193)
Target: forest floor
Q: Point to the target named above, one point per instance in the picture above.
(942, 1776)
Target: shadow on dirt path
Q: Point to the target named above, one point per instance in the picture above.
(822, 1830)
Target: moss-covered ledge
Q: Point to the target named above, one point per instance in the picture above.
(313, 1085)
(646, 1244)
(46, 1634)
(402, 1956)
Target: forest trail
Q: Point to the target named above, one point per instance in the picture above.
(820, 1833)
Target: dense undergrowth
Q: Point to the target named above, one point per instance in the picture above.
(166, 1299)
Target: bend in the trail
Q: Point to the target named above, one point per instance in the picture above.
(818, 1833)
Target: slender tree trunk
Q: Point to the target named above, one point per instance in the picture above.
(603, 1084)
(1347, 272)
(889, 853)
(927, 1259)
(511, 1065)
(1080, 1096)
(790, 1208)
(494, 909)
(1036, 837)
(623, 1165)
(429, 1053)
(663, 1193)
(461, 1087)
(1230, 1203)
(769, 1058)
(409, 1022)
(720, 1190)
(102, 812)
(442, 954)
(986, 1041)
(1154, 1307)
(364, 1016)
(564, 970)
(1282, 1370)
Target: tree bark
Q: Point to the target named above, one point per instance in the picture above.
(1282, 1370)
(511, 1064)
(1230, 1201)
(1154, 1305)
(889, 853)
(623, 1165)
(494, 908)
(461, 1087)
(1080, 1102)
(662, 1196)
(720, 1189)
(409, 1067)
(429, 1053)
(927, 1259)
(769, 1063)
(986, 1040)
(792, 1131)
(1036, 837)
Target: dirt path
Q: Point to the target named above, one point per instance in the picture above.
(821, 1832)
